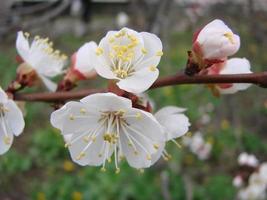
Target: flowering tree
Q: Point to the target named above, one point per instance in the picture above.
(119, 122)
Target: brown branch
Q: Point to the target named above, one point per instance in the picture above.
(178, 79)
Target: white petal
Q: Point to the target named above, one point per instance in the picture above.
(4, 147)
(152, 45)
(83, 64)
(14, 118)
(140, 81)
(156, 156)
(91, 156)
(57, 117)
(48, 83)
(236, 66)
(175, 123)
(107, 102)
(3, 96)
(22, 45)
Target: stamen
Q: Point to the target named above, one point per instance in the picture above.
(229, 36)
(159, 53)
(152, 68)
(99, 51)
(83, 111)
(144, 51)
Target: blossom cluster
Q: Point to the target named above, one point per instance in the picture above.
(251, 179)
(198, 146)
(120, 123)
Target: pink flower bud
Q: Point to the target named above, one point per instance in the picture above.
(215, 42)
(231, 66)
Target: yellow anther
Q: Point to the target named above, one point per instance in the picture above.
(99, 51)
(136, 153)
(111, 55)
(138, 116)
(144, 51)
(82, 110)
(117, 170)
(121, 112)
(152, 68)
(109, 160)
(71, 117)
(67, 145)
(107, 137)
(5, 109)
(27, 34)
(111, 39)
(229, 36)
(130, 143)
(148, 157)
(103, 169)
(141, 171)
(7, 140)
(80, 156)
(86, 139)
(159, 53)
(37, 37)
(93, 138)
(121, 157)
(118, 34)
(123, 32)
(156, 146)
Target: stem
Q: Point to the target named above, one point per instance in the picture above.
(178, 79)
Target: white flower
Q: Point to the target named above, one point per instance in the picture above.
(252, 192)
(216, 41)
(41, 57)
(11, 122)
(174, 123)
(102, 124)
(248, 159)
(238, 181)
(129, 57)
(263, 172)
(81, 66)
(231, 66)
(198, 146)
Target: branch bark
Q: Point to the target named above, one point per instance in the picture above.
(259, 79)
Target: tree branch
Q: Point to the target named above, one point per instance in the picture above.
(259, 79)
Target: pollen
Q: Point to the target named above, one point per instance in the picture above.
(138, 116)
(111, 39)
(27, 34)
(80, 156)
(86, 139)
(229, 36)
(83, 111)
(7, 140)
(156, 146)
(71, 117)
(67, 145)
(148, 157)
(99, 51)
(159, 53)
(152, 68)
(103, 169)
(144, 51)
(117, 170)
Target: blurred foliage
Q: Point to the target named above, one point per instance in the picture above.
(38, 165)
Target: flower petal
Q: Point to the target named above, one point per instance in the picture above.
(140, 81)
(83, 64)
(109, 101)
(174, 122)
(14, 118)
(22, 45)
(48, 83)
(5, 146)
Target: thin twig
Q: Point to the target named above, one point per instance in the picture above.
(259, 79)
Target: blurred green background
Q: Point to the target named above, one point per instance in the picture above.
(39, 167)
